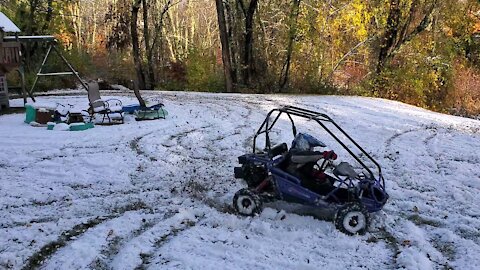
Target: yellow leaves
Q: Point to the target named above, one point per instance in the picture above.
(359, 18)
(64, 38)
(351, 18)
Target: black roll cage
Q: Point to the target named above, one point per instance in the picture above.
(321, 119)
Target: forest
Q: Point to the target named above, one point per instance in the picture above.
(422, 52)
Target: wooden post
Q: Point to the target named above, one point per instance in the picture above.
(21, 72)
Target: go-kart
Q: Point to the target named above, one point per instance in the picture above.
(350, 196)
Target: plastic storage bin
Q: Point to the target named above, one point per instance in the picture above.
(30, 113)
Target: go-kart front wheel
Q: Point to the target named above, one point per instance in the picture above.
(247, 203)
(352, 218)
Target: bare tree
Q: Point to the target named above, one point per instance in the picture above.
(150, 78)
(397, 34)
(247, 63)
(222, 28)
(136, 45)
(291, 38)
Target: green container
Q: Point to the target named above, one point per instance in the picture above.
(149, 114)
(50, 126)
(30, 113)
(85, 126)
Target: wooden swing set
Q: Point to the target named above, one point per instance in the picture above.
(11, 59)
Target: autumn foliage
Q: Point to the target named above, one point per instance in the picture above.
(423, 52)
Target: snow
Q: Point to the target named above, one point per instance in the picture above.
(6, 25)
(42, 105)
(61, 127)
(157, 194)
(115, 108)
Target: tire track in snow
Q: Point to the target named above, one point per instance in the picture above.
(193, 187)
(110, 249)
(88, 247)
(110, 252)
(187, 153)
(161, 239)
(39, 257)
(198, 189)
(142, 237)
(44, 213)
(245, 103)
(427, 219)
(137, 251)
(393, 155)
(447, 169)
(40, 209)
(69, 239)
(186, 144)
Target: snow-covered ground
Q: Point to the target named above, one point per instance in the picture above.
(157, 194)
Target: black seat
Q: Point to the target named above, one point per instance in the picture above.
(278, 150)
(345, 169)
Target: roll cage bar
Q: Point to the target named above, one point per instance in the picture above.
(321, 119)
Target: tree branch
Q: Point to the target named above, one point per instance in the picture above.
(345, 56)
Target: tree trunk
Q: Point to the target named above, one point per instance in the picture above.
(231, 44)
(150, 82)
(158, 53)
(136, 45)
(227, 68)
(291, 38)
(48, 16)
(247, 61)
(390, 36)
(396, 36)
(29, 47)
(77, 24)
(94, 31)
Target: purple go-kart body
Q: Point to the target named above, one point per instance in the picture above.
(351, 196)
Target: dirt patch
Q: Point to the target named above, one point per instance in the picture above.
(134, 206)
(198, 191)
(419, 220)
(392, 242)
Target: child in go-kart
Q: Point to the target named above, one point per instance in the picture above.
(302, 161)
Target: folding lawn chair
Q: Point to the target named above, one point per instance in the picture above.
(110, 109)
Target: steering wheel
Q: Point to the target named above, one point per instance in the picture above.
(328, 157)
(325, 164)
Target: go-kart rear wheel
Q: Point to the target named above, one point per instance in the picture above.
(352, 218)
(247, 203)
